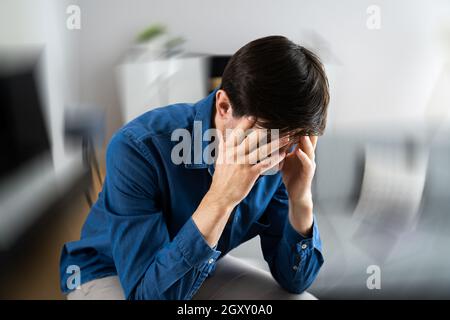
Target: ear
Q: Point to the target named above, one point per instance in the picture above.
(223, 105)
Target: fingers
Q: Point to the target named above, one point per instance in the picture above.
(250, 143)
(238, 134)
(269, 163)
(268, 149)
(306, 144)
(314, 141)
(304, 158)
(307, 163)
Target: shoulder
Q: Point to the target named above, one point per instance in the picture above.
(134, 136)
(161, 121)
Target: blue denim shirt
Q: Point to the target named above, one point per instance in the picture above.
(141, 227)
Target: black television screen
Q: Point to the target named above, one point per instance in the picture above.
(23, 130)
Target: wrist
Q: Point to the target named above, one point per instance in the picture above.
(301, 214)
(303, 203)
(218, 201)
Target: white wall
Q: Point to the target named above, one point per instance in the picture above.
(384, 75)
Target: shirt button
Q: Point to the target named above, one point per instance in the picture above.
(304, 246)
(210, 261)
(295, 268)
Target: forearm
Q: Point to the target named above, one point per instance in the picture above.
(301, 215)
(209, 219)
(211, 216)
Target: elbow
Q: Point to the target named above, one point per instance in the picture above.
(303, 281)
(295, 286)
(299, 282)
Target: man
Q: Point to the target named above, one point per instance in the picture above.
(160, 225)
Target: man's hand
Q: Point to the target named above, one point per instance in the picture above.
(298, 172)
(240, 162)
(238, 165)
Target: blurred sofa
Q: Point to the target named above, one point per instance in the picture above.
(382, 198)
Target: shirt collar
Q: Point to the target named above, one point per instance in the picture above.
(202, 122)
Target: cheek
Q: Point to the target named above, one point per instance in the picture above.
(234, 122)
(231, 123)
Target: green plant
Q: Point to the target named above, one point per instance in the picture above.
(174, 42)
(151, 32)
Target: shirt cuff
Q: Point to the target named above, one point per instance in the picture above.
(301, 242)
(194, 247)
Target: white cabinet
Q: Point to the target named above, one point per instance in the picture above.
(147, 85)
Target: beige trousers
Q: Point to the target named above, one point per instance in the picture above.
(233, 279)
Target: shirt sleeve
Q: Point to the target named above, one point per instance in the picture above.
(150, 264)
(294, 260)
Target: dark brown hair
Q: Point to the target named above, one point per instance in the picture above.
(279, 82)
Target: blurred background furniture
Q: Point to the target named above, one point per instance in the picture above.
(161, 82)
(411, 248)
(144, 85)
(29, 183)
